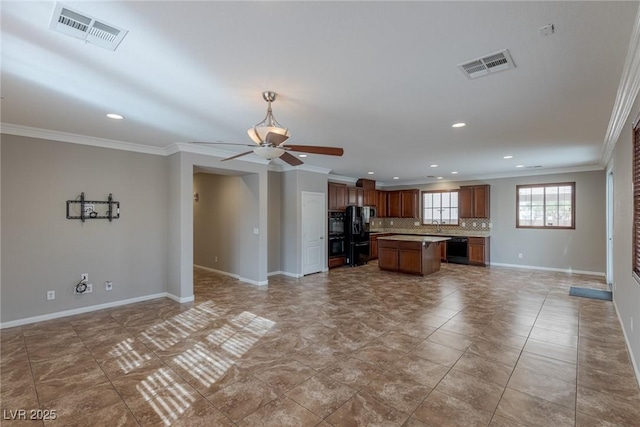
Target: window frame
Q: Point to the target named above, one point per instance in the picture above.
(457, 223)
(545, 186)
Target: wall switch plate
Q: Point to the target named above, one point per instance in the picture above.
(632, 324)
(256, 231)
(215, 259)
(89, 288)
(84, 276)
(108, 286)
(51, 295)
(520, 256)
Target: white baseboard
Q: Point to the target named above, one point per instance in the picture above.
(285, 273)
(80, 310)
(181, 300)
(560, 270)
(626, 338)
(235, 276)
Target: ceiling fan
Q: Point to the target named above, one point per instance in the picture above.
(270, 137)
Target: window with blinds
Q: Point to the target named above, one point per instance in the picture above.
(546, 205)
(636, 199)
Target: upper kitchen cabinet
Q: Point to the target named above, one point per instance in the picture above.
(355, 196)
(337, 197)
(403, 204)
(370, 198)
(381, 204)
(473, 201)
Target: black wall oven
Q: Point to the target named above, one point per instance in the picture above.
(336, 245)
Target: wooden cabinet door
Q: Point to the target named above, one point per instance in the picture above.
(481, 201)
(443, 251)
(394, 208)
(370, 198)
(360, 197)
(465, 202)
(373, 247)
(341, 197)
(410, 202)
(478, 248)
(382, 204)
(410, 261)
(387, 258)
(332, 196)
(352, 196)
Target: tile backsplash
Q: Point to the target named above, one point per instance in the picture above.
(475, 225)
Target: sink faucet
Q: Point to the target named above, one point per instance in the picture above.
(437, 223)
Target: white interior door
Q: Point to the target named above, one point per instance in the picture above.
(313, 231)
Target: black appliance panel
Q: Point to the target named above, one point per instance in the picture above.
(336, 245)
(336, 223)
(356, 236)
(457, 250)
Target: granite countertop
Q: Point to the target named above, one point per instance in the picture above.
(414, 238)
(450, 233)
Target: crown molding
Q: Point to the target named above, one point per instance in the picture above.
(342, 179)
(625, 97)
(533, 172)
(18, 130)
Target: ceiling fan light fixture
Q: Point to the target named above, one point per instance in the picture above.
(259, 131)
(269, 153)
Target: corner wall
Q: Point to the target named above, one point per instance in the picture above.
(626, 289)
(42, 250)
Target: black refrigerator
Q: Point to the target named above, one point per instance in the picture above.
(356, 233)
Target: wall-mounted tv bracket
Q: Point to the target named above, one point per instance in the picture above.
(113, 208)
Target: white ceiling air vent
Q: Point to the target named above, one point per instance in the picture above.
(85, 27)
(493, 63)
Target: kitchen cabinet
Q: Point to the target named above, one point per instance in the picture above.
(370, 198)
(409, 254)
(410, 200)
(373, 244)
(381, 204)
(478, 250)
(443, 251)
(337, 197)
(337, 261)
(355, 196)
(403, 204)
(474, 201)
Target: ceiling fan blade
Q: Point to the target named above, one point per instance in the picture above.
(275, 138)
(237, 155)
(291, 159)
(222, 143)
(315, 149)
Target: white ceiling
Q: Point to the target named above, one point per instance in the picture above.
(379, 79)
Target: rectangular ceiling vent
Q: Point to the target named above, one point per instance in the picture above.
(85, 27)
(489, 64)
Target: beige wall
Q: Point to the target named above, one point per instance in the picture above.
(626, 292)
(42, 250)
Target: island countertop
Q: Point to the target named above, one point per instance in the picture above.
(415, 238)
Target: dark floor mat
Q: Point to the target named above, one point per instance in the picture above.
(590, 293)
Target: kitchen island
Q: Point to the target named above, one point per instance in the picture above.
(410, 254)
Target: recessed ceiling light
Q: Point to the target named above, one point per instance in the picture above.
(508, 157)
(434, 166)
(370, 173)
(458, 125)
(396, 177)
(302, 155)
(115, 116)
(454, 172)
(519, 166)
(439, 177)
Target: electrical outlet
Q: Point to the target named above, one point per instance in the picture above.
(89, 288)
(520, 255)
(464, 224)
(215, 259)
(484, 224)
(417, 223)
(256, 231)
(108, 286)
(84, 276)
(391, 222)
(474, 224)
(51, 295)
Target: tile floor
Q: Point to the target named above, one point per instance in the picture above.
(468, 346)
